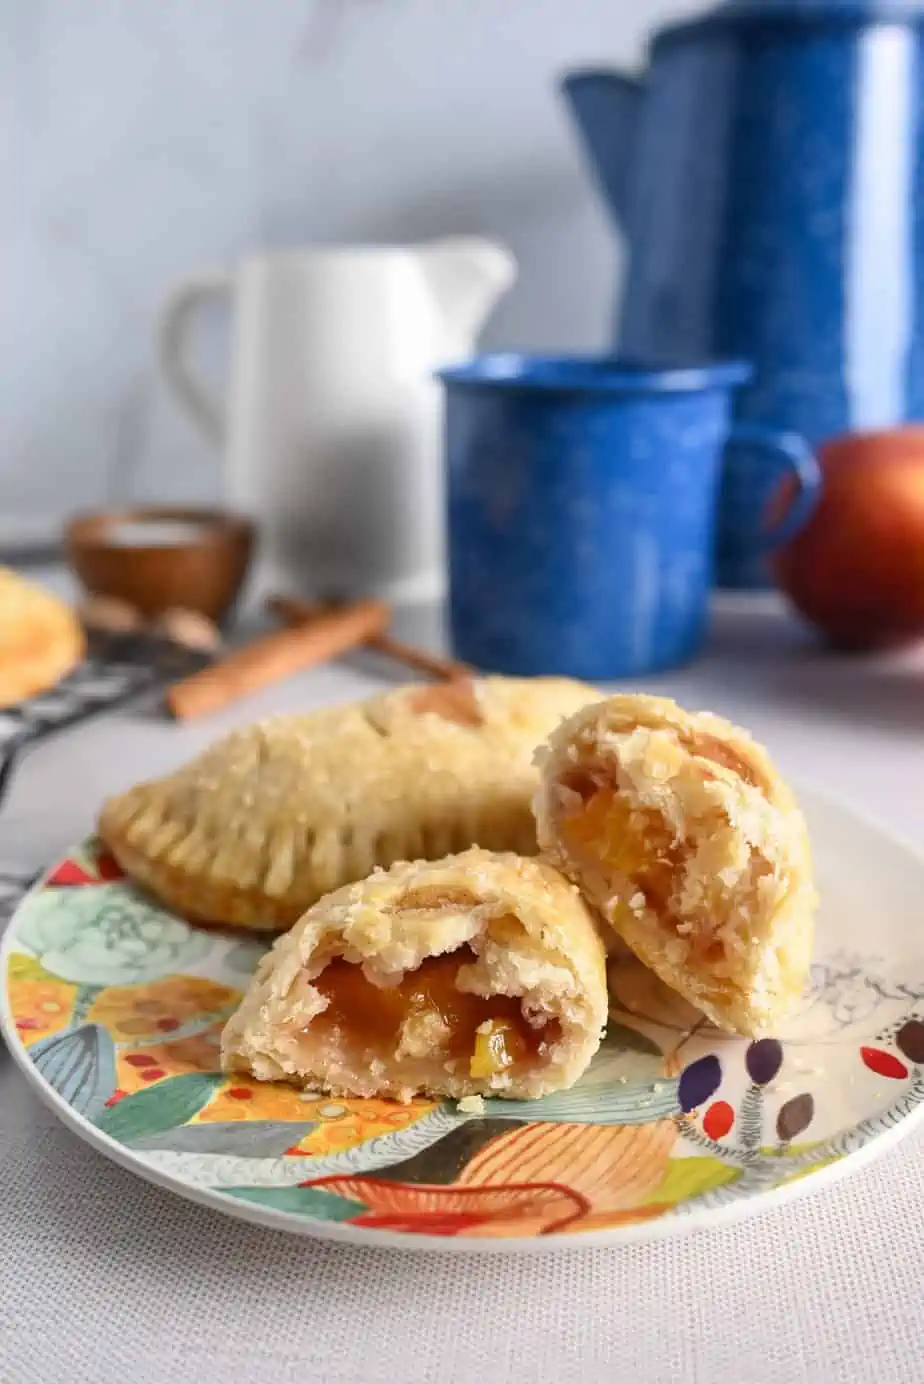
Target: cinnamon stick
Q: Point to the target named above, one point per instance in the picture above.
(274, 656)
(295, 612)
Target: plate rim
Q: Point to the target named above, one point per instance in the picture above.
(665, 1227)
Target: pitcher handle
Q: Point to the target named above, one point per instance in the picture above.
(172, 342)
(795, 455)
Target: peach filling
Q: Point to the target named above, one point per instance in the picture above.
(636, 845)
(632, 841)
(486, 1035)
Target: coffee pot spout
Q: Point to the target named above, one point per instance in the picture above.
(606, 107)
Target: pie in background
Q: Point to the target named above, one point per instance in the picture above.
(41, 638)
(482, 974)
(269, 819)
(679, 829)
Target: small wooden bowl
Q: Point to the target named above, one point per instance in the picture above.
(202, 570)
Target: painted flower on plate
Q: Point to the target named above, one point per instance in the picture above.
(40, 1005)
(149, 1062)
(159, 1008)
(107, 936)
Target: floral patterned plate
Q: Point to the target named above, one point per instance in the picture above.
(114, 1008)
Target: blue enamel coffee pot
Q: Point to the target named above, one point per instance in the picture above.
(768, 174)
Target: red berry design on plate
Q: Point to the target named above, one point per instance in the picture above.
(240, 1093)
(168, 1025)
(884, 1063)
(114, 1099)
(140, 1059)
(718, 1119)
(152, 1074)
(108, 868)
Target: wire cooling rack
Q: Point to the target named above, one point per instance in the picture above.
(13, 886)
(117, 669)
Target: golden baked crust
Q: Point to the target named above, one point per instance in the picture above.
(680, 830)
(351, 1000)
(40, 638)
(265, 822)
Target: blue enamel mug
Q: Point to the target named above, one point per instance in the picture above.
(582, 509)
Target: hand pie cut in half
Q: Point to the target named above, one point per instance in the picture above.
(481, 974)
(41, 639)
(679, 829)
(265, 822)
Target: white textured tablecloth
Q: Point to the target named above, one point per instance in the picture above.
(107, 1280)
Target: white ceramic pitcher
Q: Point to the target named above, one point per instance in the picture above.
(332, 431)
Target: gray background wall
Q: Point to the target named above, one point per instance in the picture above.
(143, 138)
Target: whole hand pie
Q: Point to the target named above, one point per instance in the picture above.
(679, 829)
(480, 974)
(41, 639)
(268, 820)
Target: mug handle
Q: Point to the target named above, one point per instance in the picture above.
(172, 341)
(796, 456)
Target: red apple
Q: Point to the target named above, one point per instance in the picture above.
(856, 570)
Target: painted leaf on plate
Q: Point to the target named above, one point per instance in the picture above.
(159, 1108)
(763, 1059)
(910, 1040)
(525, 1208)
(883, 1063)
(699, 1081)
(611, 1168)
(691, 1177)
(634, 1103)
(243, 1138)
(304, 1201)
(80, 1065)
(795, 1116)
(443, 1160)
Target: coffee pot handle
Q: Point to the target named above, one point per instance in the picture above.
(174, 323)
(792, 454)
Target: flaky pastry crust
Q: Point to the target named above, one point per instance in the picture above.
(679, 829)
(523, 963)
(260, 826)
